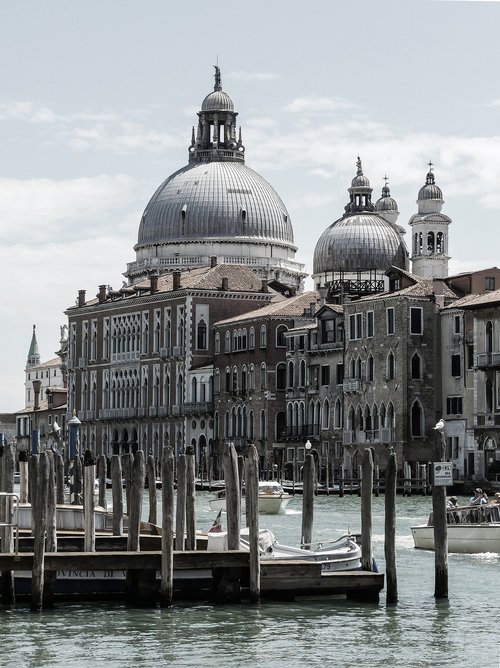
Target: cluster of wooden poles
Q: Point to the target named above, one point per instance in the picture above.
(42, 483)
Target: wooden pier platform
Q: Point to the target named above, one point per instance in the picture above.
(282, 579)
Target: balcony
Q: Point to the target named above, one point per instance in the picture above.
(125, 357)
(487, 359)
(302, 431)
(353, 385)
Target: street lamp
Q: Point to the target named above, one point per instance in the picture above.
(74, 428)
(308, 445)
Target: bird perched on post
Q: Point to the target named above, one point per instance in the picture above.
(440, 425)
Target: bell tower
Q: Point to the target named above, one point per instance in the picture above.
(430, 232)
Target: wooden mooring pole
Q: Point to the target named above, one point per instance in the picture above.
(440, 526)
(167, 536)
(39, 519)
(151, 480)
(51, 538)
(190, 500)
(23, 476)
(101, 477)
(117, 494)
(308, 480)
(366, 510)
(390, 529)
(252, 513)
(180, 511)
(233, 498)
(89, 466)
(6, 516)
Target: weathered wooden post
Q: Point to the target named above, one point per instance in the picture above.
(252, 513)
(360, 479)
(233, 498)
(59, 474)
(366, 510)
(309, 475)
(7, 485)
(127, 464)
(101, 477)
(440, 524)
(167, 533)
(151, 481)
(23, 476)
(180, 515)
(89, 466)
(117, 494)
(51, 538)
(77, 480)
(39, 512)
(376, 482)
(390, 530)
(341, 481)
(136, 495)
(190, 500)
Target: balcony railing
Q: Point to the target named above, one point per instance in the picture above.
(197, 408)
(353, 385)
(487, 359)
(303, 430)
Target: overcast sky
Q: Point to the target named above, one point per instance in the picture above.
(97, 100)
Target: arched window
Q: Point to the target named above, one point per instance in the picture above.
(302, 374)
(234, 379)
(235, 341)
(417, 419)
(430, 242)
(368, 419)
(371, 368)
(263, 336)
(194, 390)
(338, 415)
(416, 367)
(488, 390)
(263, 425)
(251, 338)
(227, 342)
(325, 415)
(291, 374)
(217, 343)
(244, 377)
(263, 376)
(251, 377)
(489, 337)
(440, 243)
(280, 425)
(250, 426)
(280, 336)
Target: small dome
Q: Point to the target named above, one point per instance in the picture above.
(217, 101)
(430, 190)
(359, 242)
(360, 181)
(386, 204)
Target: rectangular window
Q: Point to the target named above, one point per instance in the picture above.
(390, 320)
(340, 374)
(290, 454)
(416, 320)
(370, 324)
(452, 447)
(456, 324)
(325, 374)
(328, 331)
(456, 367)
(489, 283)
(355, 326)
(454, 405)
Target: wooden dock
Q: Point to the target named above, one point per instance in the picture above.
(282, 579)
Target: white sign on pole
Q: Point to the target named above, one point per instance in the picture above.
(443, 473)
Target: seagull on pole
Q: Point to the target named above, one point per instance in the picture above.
(440, 425)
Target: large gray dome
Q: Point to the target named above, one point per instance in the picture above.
(359, 242)
(220, 200)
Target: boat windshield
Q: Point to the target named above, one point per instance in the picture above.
(472, 515)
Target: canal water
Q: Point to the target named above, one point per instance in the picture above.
(418, 631)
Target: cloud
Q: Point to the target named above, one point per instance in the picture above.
(36, 212)
(318, 105)
(26, 111)
(253, 76)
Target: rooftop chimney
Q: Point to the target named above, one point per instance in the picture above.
(176, 276)
(153, 278)
(438, 289)
(81, 297)
(213, 261)
(102, 294)
(225, 283)
(264, 286)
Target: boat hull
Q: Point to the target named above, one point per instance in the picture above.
(462, 538)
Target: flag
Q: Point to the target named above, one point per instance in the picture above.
(217, 525)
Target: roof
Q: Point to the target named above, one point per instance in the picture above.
(292, 307)
(477, 300)
(55, 361)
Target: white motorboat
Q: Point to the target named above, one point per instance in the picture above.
(343, 554)
(471, 529)
(272, 498)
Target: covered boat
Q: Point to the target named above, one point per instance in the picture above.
(471, 529)
(272, 498)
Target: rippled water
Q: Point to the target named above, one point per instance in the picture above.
(418, 631)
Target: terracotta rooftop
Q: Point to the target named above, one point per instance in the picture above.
(293, 307)
(477, 300)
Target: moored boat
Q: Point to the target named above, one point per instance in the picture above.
(471, 529)
(272, 498)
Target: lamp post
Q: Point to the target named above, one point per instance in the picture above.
(74, 431)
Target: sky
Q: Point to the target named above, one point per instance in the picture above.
(98, 97)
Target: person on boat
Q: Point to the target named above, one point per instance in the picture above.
(478, 498)
(496, 498)
(452, 502)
